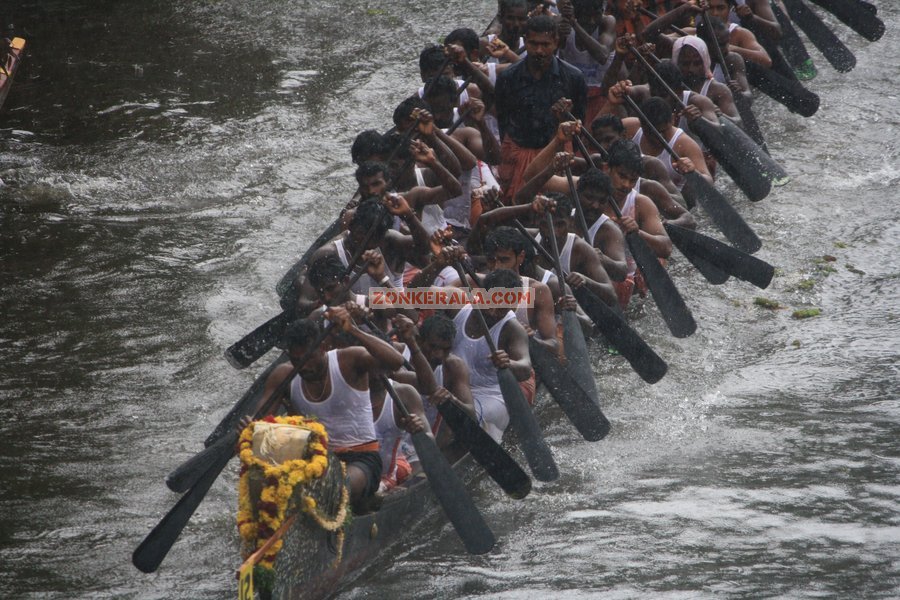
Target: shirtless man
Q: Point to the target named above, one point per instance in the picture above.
(334, 388)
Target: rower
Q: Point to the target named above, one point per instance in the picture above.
(511, 342)
(440, 375)
(735, 70)
(392, 429)
(502, 47)
(740, 39)
(691, 55)
(395, 247)
(333, 387)
(505, 248)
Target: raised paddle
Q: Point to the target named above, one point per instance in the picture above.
(726, 218)
(788, 92)
(582, 409)
(521, 417)
(571, 385)
(744, 172)
(471, 527)
(610, 323)
(748, 118)
(864, 22)
(671, 305)
(722, 256)
(834, 50)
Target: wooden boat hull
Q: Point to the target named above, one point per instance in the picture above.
(13, 60)
(306, 567)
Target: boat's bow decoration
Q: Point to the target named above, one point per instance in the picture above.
(286, 473)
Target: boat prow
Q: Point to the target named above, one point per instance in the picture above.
(10, 66)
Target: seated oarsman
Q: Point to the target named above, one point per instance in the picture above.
(468, 40)
(735, 73)
(607, 129)
(661, 117)
(333, 387)
(740, 39)
(439, 375)
(511, 341)
(391, 429)
(691, 55)
(396, 248)
(369, 146)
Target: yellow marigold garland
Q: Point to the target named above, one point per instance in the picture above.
(278, 487)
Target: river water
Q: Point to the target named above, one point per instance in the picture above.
(166, 162)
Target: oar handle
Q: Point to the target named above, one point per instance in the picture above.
(384, 337)
(658, 77)
(653, 15)
(521, 228)
(653, 130)
(476, 310)
(388, 386)
(578, 211)
(716, 46)
(554, 247)
(591, 139)
(459, 121)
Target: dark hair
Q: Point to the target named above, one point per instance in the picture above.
(542, 24)
(326, 269)
(301, 333)
(438, 325)
(595, 179)
(371, 168)
(430, 59)
(504, 238)
(394, 140)
(671, 74)
(502, 278)
(465, 37)
(656, 110)
(367, 214)
(611, 121)
(367, 144)
(505, 5)
(626, 154)
(441, 85)
(564, 203)
(405, 108)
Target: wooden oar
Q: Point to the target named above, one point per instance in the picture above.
(610, 323)
(284, 286)
(744, 173)
(722, 256)
(726, 218)
(792, 94)
(471, 527)
(864, 22)
(571, 386)
(671, 305)
(521, 417)
(834, 50)
(748, 118)
(582, 409)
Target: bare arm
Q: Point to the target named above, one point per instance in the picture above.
(668, 208)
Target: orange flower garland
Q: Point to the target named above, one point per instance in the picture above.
(278, 486)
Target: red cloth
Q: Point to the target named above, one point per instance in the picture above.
(624, 289)
(528, 388)
(596, 100)
(514, 160)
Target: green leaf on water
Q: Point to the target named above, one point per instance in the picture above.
(766, 303)
(806, 313)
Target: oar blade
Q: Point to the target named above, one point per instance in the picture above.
(578, 366)
(749, 151)
(671, 305)
(834, 50)
(710, 272)
(498, 464)
(471, 527)
(522, 419)
(746, 175)
(792, 94)
(581, 410)
(726, 218)
(255, 344)
(645, 362)
(150, 553)
(864, 22)
(730, 260)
